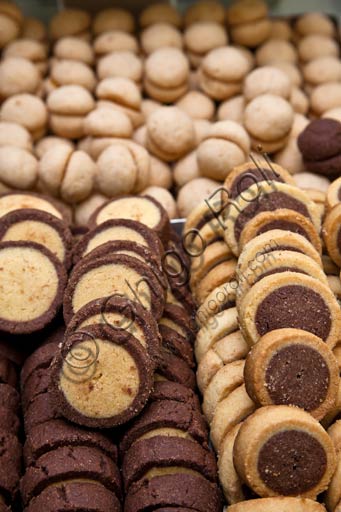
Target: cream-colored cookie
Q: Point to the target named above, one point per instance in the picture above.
(326, 97)
(121, 94)
(165, 198)
(70, 72)
(170, 133)
(140, 135)
(67, 174)
(160, 13)
(160, 174)
(14, 134)
(322, 69)
(113, 19)
(34, 51)
(122, 64)
(299, 100)
(69, 22)
(231, 483)
(314, 46)
(308, 180)
(281, 29)
(245, 11)
(27, 110)
(18, 168)
(290, 157)
(149, 106)
(314, 23)
(275, 50)
(251, 34)
(115, 41)
(18, 75)
(202, 37)
(117, 171)
(197, 105)
(11, 20)
(232, 109)
(201, 128)
(160, 35)
(104, 122)
(73, 48)
(34, 29)
(46, 143)
(291, 70)
(85, 209)
(186, 169)
(333, 113)
(205, 10)
(266, 80)
(193, 193)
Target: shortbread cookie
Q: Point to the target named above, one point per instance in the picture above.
(300, 302)
(143, 209)
(82, 494)
(314, 23)
(18, 169)
(267, 80)
(160, 13)
(333, 194)
(231, 484)
(222, 297)
(78, 462)
(212, 256)
(230, 348)
(279, 504)
(47, 278)
(332, 234)
(293, 367)
(28, 111)
(220, 325)
(283, 219)
(88, 360)
(202, 37)
(276, 50)
(66, 72)
(268, 446)
(123, 63)
(161, 455)
(164, 390)
(229, 412)
(40, 227)
(113, 19)
(222, 273)
(114, 41)
(178, 319)
(269, 197)
(122, 94)
(18, 76)
(205, 11)
(11, 22)
(74, 48)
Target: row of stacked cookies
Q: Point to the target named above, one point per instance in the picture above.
(273, 241)
(65, 107)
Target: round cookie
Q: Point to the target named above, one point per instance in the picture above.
(69, 22)
(293, 367)
(70, 72)
(322, 70)
(231, 483)
(202, 37)
(75, 49)
(160, 13)
(333, 194)
(194, 192)
(197, 105)
(117, 171)
(165, 198)
(221, 298)
(89, 361)
(11, 466)
(177, 344)
(331, 233)
(18, 169)
(204, 10)
(314, 23)
(114, 41)
(160, 35)
(121, 63)
(320, 140)
(47, 280)
(11, 20)
(276, 50)
(222, 273)
(113, 19)
(314, 46)
(291, 434)
(213, 255)
(325, 97)
(251, 34)
(280, 504)
(18, 75)
(318, 313)
(232, 109)
(13, 134)
(266, 80)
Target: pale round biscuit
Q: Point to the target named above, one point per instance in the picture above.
(322, 69)
(217, 157)
(202, 37)
(165, 198)
(167, 68)
(70, 72)
(326, 97)
(251, 34)
(122, 63)
(201, 128)
(70, 100)
(275, 50)
(121, 94)
(205, 10)
(299, 124)
(290, 157)
(281, 29)
(85, 209)
(117, 171)
(113, 19)
(29, 49)
(333, 113)
(244, 11)
(46, 143)
(197, 105)
(216, 89)
(18, 75)
(186, 169)
(14, 134)
(193, 193)
(115, 41)
(74, 48)
(226, 64)
(18, 168)
(232, 109)
(160, 35)
(314, 23)
(26, 110)
(69, 22)
(11, 20)
(103, 122)
(290, 69)
(160, 174)
(140, 135)
(34, 29)
(299, 101)
(268, 118)
(314, 46)
(230, 131)
(160, 13)
(312, 181)
(266, 80)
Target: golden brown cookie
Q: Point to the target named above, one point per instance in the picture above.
(279, 504)
(69, 22)
(113, 19)
(331, 233)
(219, 326)
(121, 94)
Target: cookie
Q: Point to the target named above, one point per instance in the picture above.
(320, 140)
(70, 72)
(113, 19)
(38, 383)
(232, 109)
(158, 456)
(314, 46)
(329, 267)
(39, 411)
(177, 344)
(164, 390)
(333, 194)
(80, 385)
(232, 485)
(251, 34)
(13, 134)
(9, 397)
(229, 412)
(11, 19)
(197, 105)
(89, 495)
(266, 80)
(177, 318)
(18, 75)
(9, 420)
(331, 234)
(75, 49)
(123, 63)
(291, 434)
(160, 13)
(8, 372)
(202, 37)
(143, 209)
(10, 465)
(213, 255)
(174, 369)
(314, 23)
(75, 462)
(47, 278)
(318, 314)
(221, 298)
(205, 11)
(293, 367)
(280, 504)
(114, 41)
(322, 70)
(160, 35)
(69, 22)
(325, 97)
(18, 169)
(277, 50)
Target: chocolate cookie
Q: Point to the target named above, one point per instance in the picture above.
(115, 274)
(37, 383)
(279, 504)
(9, 421)
(219, 326)
(42, 357)
(40, 227)
(75, 496)
(179, 490)
(40, 290)
(179, 320)
(332, 233)
(293, 367)
(118, 229)
(170, 417)
(265, 197)
(161, 455)
(101, 378)
(9, 397)
(165, 390)
(320, 140)
(120, 313)
(66, 463)
(178, 345)
(330, 167)
(10, 464)
(290, 299)
(175, 369)
(283, 450)
(144, 209)
(39, 411)
(8, 372)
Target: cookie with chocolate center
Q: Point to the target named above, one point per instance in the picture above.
(282, 450)
(293, 367)
(174, 391)
(33, 282)
(101, 378)
(179, 320)
(39, 410)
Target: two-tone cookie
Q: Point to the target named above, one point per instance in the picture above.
(22, 200)
(215, 253)
(179, 320)
(177, 344)
(101, 377)
(284, 451)
(293, 367)
(33, 282)
(174, 369)
(224, 272)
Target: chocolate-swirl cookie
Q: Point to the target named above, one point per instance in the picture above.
(331, 232)
(101, 378)
(290, 299)
(116, 274)
(293, 367)
(283, 450)
(177, 318)
(33, 282)
(279, 504)
(144, 209)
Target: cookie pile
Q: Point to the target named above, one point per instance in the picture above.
(95, 107)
